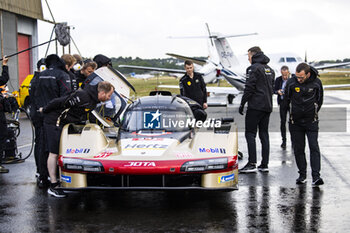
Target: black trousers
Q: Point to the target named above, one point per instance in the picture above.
(255, 120)
(40, 153)
(284, 109)
(298, 132)
(3, 133)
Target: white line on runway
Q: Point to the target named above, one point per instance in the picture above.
(30, 144)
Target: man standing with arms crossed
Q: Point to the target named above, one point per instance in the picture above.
(258, 93)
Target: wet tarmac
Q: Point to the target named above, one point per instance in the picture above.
(265, 202)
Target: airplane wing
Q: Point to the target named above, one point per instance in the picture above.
(336, 86)
(154, 69)
(194, 60)
(234, 79)
(215, 90)
(332, 65)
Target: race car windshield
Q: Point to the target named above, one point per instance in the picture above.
(173, 121)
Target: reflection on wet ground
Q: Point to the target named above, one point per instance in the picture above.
(261, 204)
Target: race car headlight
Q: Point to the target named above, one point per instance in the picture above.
(82, 165)
(204, 165)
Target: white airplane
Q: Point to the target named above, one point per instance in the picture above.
(229, 66)
(141, 76)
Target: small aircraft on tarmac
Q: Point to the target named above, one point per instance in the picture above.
(141, 76)
(231, 67)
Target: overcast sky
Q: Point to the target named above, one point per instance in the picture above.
(140, 28)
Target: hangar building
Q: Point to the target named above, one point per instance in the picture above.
(19, 30)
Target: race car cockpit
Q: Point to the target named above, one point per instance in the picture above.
(167, 113)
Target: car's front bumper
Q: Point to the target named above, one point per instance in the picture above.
(227, 180)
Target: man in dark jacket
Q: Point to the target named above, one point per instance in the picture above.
(279, 90)
(101, 61)
(37, 121)
(193, 86)
(70, 109)
(70, 61)
(304, 93)
(88, 68)
(54, 82)
(258, 93)
(4, 78)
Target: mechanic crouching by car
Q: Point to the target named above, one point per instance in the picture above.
(69, 109)
(4, 78)
(304, 93)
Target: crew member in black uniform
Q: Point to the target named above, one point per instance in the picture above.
(304, 92)
(88, 68)
(280, 85)
(193, 86)
(69, 109)
(70, 62)
(51, 83)
(258, 93)
(101, 61)
(37, 121)
(4, 78)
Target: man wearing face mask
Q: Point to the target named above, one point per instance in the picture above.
(279, 90)
(304, 93)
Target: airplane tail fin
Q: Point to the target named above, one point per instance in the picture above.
(226, 56)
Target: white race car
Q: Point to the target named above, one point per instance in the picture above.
(158, 145)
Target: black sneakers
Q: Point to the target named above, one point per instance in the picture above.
(248, 168)
(42, 182)
(3, 169)
(301, 180)
(263, 168)
(54, 191)
(284, 145)
(317, 182)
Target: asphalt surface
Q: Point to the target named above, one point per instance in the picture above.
(265, 202)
